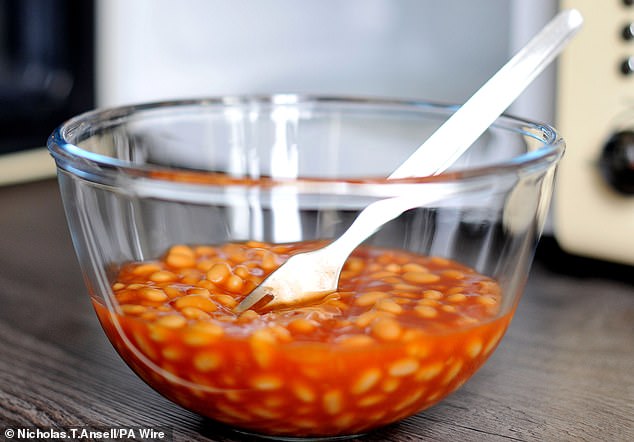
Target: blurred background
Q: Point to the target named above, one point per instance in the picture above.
(62, 57)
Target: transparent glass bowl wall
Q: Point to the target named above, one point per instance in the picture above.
(137, 180)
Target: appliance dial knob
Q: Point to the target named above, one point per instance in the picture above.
(617, 162)
(627, 66)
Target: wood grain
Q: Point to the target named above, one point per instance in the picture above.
(564, 372)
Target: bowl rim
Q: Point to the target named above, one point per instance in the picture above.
(87, 164)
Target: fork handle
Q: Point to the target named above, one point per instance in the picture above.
(378, 213)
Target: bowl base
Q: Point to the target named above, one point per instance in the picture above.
(295, 438)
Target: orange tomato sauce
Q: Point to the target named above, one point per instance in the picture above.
(401, 333)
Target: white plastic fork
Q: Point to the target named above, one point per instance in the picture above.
(308, 276)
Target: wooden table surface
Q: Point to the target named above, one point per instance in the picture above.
(564, 371)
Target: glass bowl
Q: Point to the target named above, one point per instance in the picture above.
(178, 209)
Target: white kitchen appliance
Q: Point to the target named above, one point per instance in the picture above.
(594, 203)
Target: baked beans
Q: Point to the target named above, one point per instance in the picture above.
(402, 332)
